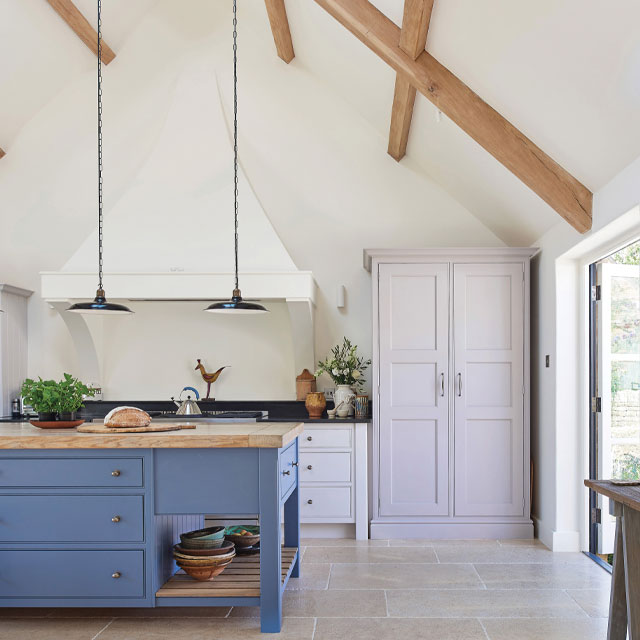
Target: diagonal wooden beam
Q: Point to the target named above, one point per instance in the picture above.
(556, 186)
(413, 39)
(277, 13)
(83, 29)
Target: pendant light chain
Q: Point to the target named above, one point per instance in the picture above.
(100, 215)
(235, 131)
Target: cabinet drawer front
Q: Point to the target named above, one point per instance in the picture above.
(325, 467)
(71, 574)
(326, 438)
(71, 518)
(288, 469)
(70, 472)
(326, 502)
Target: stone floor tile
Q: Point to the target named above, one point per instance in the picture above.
(397, 628)
(513, 554)
(429, 542)
(594, 601)
(535, 629)
(51, 628)
(342, 542)
(326, 604)
(371, 555)
(26, 612)
(202, 629)
(522, 542)
(404, 576)
(466, 603)
(544, 576)
(313, 576)
(140, 612)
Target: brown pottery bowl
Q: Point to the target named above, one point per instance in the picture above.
(226, 547)
(202, 574)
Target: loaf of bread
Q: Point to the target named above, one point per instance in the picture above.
(127, 417)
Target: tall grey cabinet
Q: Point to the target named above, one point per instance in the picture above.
(451, 393)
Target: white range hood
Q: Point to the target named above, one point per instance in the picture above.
(169, 234)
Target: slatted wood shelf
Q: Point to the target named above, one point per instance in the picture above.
(240, 579)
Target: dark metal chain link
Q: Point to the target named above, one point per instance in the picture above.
(235, 129)
(99, 146)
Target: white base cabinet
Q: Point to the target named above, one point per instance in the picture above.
(333, 475)
(451, 393)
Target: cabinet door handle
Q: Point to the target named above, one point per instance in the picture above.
(309, 501)
(115, 519)
(442, 384)
(116, 575)
(286, 473)
(309, 466)
(294, 464)
(459, 384)
(115, 473)
(309, 438)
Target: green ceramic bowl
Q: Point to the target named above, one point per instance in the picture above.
(242, 540)
(209, 538)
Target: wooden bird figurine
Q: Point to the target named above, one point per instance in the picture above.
(209, 378)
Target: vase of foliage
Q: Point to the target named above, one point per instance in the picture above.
(346, 369)
(72, 393)
(51, 399)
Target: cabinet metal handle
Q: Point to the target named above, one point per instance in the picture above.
(116, 575)
(459, 384)
(115, 473)
(309, 501)
(115, 519)
(442, 384)
(286, 473)
(294, 464)
(309, 438)
(309, 466)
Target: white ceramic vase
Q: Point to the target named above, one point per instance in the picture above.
(344, 393)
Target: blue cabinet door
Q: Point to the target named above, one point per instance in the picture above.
(71, 518)
(71, 574)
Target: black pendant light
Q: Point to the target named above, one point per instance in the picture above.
(236, 305)
(99, 305)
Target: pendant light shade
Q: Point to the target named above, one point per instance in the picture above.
(236, 305)
(99, 304)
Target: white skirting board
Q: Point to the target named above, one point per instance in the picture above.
(452, 530)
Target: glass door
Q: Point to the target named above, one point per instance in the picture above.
(615, 383)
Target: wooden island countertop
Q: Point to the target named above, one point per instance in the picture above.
(23, 435)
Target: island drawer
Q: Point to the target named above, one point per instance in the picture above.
(325, 466)
(325, 502)
(71, 574)
(288, 468)
(326, 438)
(71, 518)
(62, 472)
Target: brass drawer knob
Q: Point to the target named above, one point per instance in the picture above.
(115, 473)
(309, 466)
(115, 519)
(116, 575)
(309, 438)
(286, 473)
(309, 501)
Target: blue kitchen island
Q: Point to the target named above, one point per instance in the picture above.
(89, 520)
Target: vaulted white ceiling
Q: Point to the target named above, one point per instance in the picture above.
(565, 72)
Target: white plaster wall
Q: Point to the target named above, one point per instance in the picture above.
(559, 418)
(317, 168)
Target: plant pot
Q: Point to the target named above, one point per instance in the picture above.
(344, 394)
(67, 416)
(46, 416)
(315, 404)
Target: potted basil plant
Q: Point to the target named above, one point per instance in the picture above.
(43, 396)
(71, 394)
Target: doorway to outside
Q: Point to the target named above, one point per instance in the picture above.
(614, 341)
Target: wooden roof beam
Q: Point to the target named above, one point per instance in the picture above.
(277, 13)
(556, 186)
(413, 39)
(83, 29)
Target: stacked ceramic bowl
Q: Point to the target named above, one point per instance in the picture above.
(246, 538)
(204, 554)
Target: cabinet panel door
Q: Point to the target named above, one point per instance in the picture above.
(414, 432)
(488, 327)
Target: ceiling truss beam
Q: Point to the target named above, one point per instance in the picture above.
(556, 186)
(279, 22)
(81, 26)
(413, 40)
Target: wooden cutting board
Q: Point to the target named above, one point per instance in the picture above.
(100, 428)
